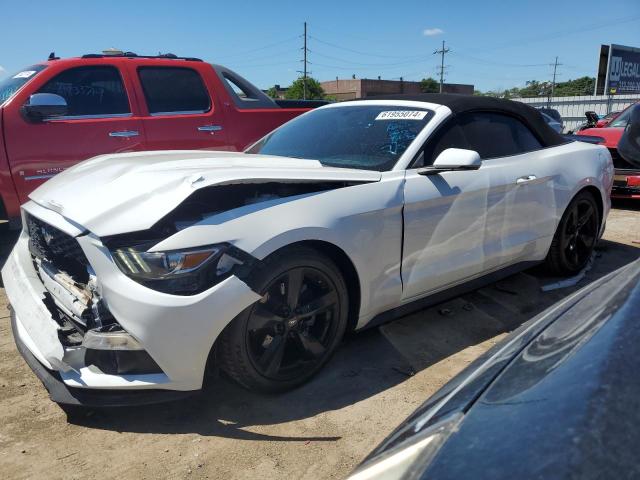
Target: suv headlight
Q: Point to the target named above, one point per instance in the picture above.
(179, 272)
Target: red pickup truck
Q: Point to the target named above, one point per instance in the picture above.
(60, 112)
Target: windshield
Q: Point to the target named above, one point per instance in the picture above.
(369, 137)
(622, 119)
(12, 83)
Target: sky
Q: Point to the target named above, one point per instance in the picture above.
(493, 44)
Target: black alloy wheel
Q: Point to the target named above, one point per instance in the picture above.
(576, 236)
(284, 338)
(292, 327)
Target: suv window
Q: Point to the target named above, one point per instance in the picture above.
(497, 135)
(173, 90)
(90, 91)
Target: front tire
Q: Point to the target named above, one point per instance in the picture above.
(575, 237)
(282, 340)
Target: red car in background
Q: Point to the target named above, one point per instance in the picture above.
(59, 112)
(627, 179)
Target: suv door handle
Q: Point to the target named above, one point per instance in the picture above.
(210, 128)
(526, 179)
(124, 133)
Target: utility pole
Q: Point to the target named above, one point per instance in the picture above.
(441, 52)
(304, 60)
(304, 76)
(553, 82)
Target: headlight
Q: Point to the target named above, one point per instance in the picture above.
(179, 272)
(409, 459)
(158, 265)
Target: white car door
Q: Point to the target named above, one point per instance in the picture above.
(462, 224)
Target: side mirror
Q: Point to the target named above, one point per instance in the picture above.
(453, 159)
(42, 106)
(629, 144)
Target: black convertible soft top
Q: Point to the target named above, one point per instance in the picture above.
(468, 103)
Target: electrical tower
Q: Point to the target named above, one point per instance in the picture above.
(442, 53)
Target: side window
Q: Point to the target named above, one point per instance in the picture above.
(448, 136)
(173, 90)
(240, 92)
(495, 135)
(94, 90)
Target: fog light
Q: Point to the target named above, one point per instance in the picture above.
(105, 340)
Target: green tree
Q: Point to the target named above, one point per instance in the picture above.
(579, 86)
(272, 92)
(296, 90)
(429, 85)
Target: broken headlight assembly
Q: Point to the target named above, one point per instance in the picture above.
(179, 272)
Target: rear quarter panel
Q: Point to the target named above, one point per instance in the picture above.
(581, 165)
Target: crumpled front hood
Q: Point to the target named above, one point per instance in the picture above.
(120, 193)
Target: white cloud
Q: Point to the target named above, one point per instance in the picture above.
(430, 32)
(2, 71)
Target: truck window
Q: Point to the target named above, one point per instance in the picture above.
(90, 91)
(173, 90)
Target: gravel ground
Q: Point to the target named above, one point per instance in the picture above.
(321, 430)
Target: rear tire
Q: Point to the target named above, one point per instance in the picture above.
(282, 340)
(575, 237)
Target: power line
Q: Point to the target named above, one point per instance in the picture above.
(359, 52)
(500, 64)
(391, 64)
(442, 52)
(542, 37)
(264, 47)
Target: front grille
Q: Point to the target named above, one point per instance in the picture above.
(62, 250)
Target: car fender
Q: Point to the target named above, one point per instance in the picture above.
(364, 221)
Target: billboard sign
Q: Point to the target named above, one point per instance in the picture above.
(623, 70)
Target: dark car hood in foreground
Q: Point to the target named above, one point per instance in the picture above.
(560, 398)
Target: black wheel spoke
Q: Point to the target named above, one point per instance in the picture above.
(573, 256)
(574, 218)
(585, 217)
(271, 359)
(263, 318)
(586, 240)
(311, 345)
(295, 280)
(317, 305)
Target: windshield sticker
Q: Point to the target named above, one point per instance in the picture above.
(402, 115)
(25, 74)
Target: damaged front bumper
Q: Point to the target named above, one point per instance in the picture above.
(59, 392)
(173, 333)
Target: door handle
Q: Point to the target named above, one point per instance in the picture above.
(526, 179)
(124, 134)
(210, 128)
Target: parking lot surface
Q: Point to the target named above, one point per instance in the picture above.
(321, 430)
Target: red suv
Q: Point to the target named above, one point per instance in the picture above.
(59, 112)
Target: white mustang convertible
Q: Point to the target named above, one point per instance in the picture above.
(135, 273)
